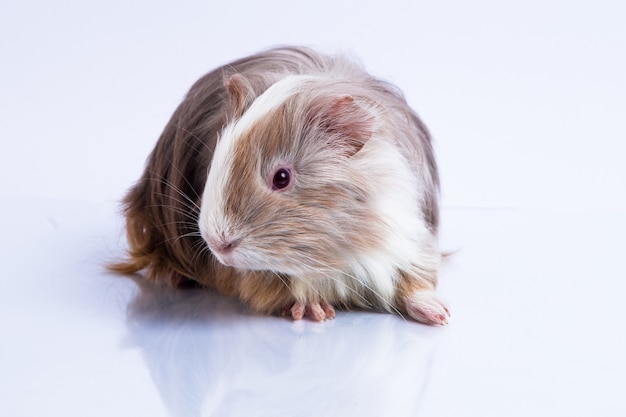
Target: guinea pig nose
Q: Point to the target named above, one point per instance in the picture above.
(222, 245)
(228, 246)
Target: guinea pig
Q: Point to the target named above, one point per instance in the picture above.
(298, 183)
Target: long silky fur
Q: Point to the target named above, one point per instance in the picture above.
(162, 208)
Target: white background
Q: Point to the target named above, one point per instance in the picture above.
(527, 104)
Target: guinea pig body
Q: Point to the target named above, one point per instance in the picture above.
(298, 183)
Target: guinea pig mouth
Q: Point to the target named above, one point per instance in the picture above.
(225, 254)
(233, 255)
(240, 258)
(225, 259)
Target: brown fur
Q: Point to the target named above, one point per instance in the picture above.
(162, 208)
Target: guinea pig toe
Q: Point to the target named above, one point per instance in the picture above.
(298, 310)
(426, 307)
(320, 311)
(329, 311)
(316, 311)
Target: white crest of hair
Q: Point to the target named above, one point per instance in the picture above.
(212, 199)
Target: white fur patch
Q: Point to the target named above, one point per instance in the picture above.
(407, 241)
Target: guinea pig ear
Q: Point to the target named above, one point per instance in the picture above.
(347, 122)
(240, 93)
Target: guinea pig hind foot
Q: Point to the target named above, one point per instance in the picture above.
(316, 311)
(426, 307)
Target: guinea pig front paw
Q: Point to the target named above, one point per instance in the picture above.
(426, 307)
(317, 311)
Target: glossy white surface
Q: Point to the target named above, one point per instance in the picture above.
(536, 330)
(526, 103)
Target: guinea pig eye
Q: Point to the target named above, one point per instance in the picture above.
(281, 179)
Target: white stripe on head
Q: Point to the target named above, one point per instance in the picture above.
(270, 100)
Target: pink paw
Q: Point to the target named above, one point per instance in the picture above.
(426, 307)
(317, 311)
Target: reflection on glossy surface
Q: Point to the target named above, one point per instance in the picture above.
(209, 356)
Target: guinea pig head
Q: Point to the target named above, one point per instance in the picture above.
(283, 192)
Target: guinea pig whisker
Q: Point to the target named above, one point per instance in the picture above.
(184, 177)
(182, 203)
(192, 206)
(179, 191)
(189, 212)
(178, 238)
(193, 135)
(181, 223)
(161, 179)
(176, 210)
(199, 249)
